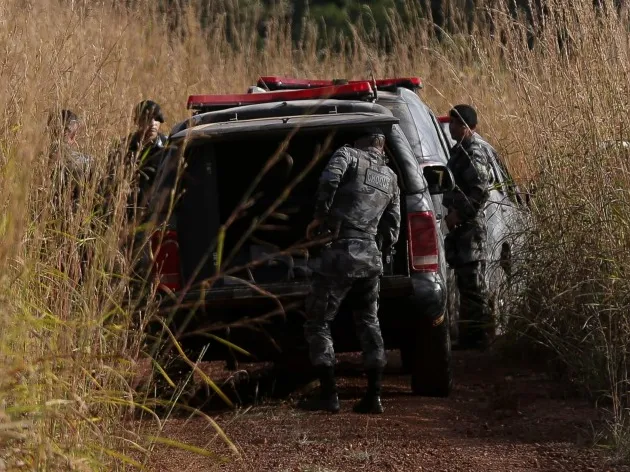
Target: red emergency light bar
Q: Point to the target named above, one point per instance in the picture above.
(288, 83)
(356, 90)
(412, 83)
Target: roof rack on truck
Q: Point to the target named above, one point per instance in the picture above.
(359, 90)
(274, 83)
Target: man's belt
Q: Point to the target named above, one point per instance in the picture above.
(351, 233)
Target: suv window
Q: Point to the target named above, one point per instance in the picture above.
(422, 118)
(507, 184)
(401, 111)
(442, 137)
(417, 123)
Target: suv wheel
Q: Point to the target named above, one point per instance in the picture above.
(428, 358)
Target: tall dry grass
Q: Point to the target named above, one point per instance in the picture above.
(549, 109)
(68, 354)
(569, 100)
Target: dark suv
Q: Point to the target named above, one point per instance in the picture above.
(231, 256)
(506, 212)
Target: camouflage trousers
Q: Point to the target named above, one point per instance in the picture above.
(474, 310)
(466, 243)
(322, 305)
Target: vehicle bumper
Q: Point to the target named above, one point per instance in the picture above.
(403, 300)
(244, 295)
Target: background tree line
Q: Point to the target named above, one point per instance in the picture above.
(337, 18)
(335, 21)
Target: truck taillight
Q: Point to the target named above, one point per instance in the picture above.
(166, 263)
(423, 245)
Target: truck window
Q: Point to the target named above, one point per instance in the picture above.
(416, 122)
(424, 123)
(441, 136)
(401, 111)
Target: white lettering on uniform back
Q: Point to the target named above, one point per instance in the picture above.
(377, 180)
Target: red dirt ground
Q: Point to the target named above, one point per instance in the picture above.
(498, 418)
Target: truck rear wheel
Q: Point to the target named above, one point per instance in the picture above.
(427, 356)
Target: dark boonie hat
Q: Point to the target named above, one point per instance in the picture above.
(148, 108)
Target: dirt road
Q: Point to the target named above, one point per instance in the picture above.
(498, 418)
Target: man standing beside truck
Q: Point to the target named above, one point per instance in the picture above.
(358, 206)
(143, 148)
(465, 244)
(135, 157)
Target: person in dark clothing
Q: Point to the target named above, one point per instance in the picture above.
(131, 169)
(135, 159)
(465, 244)
(144, 148)
(148, 117)
(358, 204)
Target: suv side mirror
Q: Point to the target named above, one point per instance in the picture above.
(438, 177)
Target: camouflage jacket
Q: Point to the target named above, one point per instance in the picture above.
(470, 166)
(359, 200)
(71, 172)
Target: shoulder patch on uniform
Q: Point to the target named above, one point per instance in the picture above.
(377, 180)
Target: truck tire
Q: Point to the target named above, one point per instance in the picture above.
(429, 359)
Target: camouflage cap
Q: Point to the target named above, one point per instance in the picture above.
(146, 109)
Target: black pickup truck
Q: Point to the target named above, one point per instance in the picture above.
(229, 248)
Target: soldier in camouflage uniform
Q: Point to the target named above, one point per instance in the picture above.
(70, 174)
(465, 243)
(358, 205)
(70, 167)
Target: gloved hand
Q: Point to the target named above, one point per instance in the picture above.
(452, 219)
(310, 229)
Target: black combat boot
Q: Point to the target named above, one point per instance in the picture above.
(371, 402)
(327, 400)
